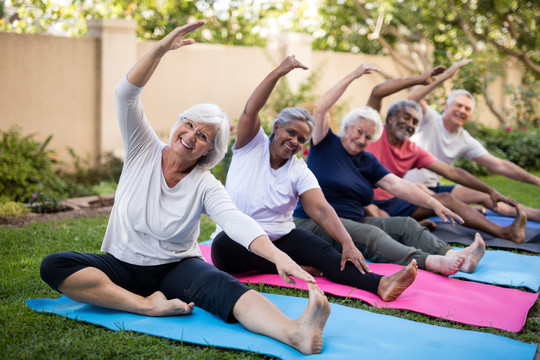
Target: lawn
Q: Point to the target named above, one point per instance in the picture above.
(25, 334)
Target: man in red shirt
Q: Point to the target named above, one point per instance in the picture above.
(398, 154)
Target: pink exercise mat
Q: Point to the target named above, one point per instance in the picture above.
(431, 294)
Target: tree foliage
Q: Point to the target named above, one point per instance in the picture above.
(417, 34)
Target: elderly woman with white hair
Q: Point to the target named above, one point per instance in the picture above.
(347, 176)
(276, 179)
(152, 263)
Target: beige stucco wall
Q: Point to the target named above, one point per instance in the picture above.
(49, 86)
(65, 86)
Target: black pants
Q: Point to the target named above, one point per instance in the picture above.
(190, 279)
(304, 248)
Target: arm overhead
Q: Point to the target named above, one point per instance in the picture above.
(143, 70)
(420, 92)
(250, 121)
(321, 114)
(392, 86)
(506, 168)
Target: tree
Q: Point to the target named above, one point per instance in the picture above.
(420, 33)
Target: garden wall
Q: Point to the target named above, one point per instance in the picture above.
(65, 86)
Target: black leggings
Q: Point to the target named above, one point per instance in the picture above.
(304, 248)
(191, 279)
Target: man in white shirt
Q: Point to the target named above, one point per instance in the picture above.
(443, 135)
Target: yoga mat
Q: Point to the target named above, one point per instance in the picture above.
(349, 333)
(463, 235)
(431, 294)
(505, 268)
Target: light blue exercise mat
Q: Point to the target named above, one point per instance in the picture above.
(505, 268)
(349, 334)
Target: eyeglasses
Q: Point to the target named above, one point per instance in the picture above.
(198, 134)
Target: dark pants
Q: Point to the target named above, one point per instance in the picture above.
(190, 280)
(304, 248)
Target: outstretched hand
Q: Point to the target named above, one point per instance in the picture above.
(429, 76)
(365, 68)
(448, 215)
(352, 254)
(286, 268)
(290, 63)
(175, 39)
(498, 197)
(452, 70)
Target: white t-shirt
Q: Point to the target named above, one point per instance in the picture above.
(269, 196)
(150, 223)
(445, 146)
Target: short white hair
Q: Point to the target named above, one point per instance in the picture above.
(366, 113)
(208, 114)
(452, 97)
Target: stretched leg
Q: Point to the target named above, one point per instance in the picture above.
(87, 278)
(471, 196)
(473, 253)
(515, 232)
(258, 314)
(408, 232)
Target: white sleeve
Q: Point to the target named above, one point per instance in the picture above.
(237, 225)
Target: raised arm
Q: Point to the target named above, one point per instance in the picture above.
(392, 86)
(408, 191)
(143, 70)
(323, 105)
(420, 92)
(464, 178)
(250, 121)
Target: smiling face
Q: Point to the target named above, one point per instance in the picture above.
(402, 124)
(358, 136)
(458, 112)
(288, 140)
(188, 141)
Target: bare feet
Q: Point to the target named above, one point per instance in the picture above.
(473, 253)
(445, 265)
(159, 305)
(308, 337)
(311, 270)
(391, 287)
(516, 231)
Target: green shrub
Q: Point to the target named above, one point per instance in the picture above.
(521, 146)
(26, 167)
(12, 208)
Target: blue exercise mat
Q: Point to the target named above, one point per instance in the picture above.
(505, 268)
(349, 334)
(462, 235)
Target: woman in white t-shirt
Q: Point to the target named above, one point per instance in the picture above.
(265, 180)
(152, 263)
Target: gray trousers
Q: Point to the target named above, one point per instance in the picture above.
(395, 240)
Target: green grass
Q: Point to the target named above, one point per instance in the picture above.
(25, 334)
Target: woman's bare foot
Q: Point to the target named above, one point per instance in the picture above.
(473, 253)
(445, 265)
(159, 305)
(308, 335)
(516, 231)
(391, 287)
